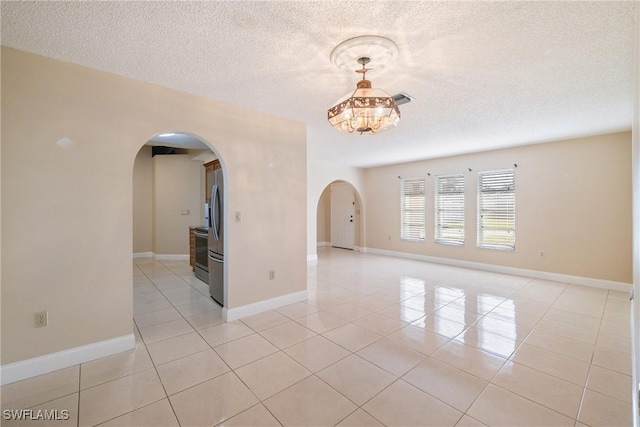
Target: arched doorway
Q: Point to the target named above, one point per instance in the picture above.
(339, 217)
(172, 180)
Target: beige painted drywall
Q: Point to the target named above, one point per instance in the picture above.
(324, 217)
(573, 202)
(177, 192)
(142, 201)
(70, 136)
(319, 176)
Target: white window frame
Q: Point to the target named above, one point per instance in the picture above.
(449, 209)
(412, 211)
(497, 209)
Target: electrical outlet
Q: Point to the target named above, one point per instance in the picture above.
(542, 255)
(272, 274)
(41, 319)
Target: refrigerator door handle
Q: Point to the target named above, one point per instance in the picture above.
(215, 202)
(221, 261)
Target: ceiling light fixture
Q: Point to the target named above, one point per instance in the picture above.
(366, 110)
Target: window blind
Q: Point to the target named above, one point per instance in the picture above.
(412, 206)
(496, 209)
(450, 209)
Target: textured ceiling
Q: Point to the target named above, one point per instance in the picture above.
(484, 75)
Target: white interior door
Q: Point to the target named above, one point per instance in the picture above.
(343, 216)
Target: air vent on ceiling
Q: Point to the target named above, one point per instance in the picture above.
(402, 98)
(162, 150)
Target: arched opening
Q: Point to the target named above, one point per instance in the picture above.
(339, 217)
(174, 175)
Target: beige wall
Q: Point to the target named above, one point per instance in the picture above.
(324, 217)
(142, 201)
(573, 202)
(177, 192)
(70, 207)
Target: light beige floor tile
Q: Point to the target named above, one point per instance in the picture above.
(271, 374)
(323, 301)
(256, 416)
(61, 412)
(310, 402)
(499, 407)
(245, 350)
(423, 303)
(225, 332)
(617, 311)
(600, 410)
(176, 347)
(419, 339)
(162, 331)
(470, 359)
(614, 360)
(552, 363)
(507, 329)
(457, 315)
(372, 302)
(206, 319)
(158, 414)
(402, 313)
(213, 401)
(611, 383)
(440, 326)
(320, 322)
(287, 334)
(562, 345)
(360, 418)
(401, 404)
(149, 306)
(391, 356)
(471, 304)
(379, 324)
(157, 317)
(525, 305)
(188, 371)
(356, 378)
(118, 365)
(467, 421)
(614, 342)
(349, 311)
(115, 398)
(316, 353)
(43, 388)
(577, 333)
(513, 316)
(352, 337)
(489, 342)
(265, 320)
(451, 385)
(200, 306)
(573, 319)
(297, 310)
(547, 390)
(621, 329)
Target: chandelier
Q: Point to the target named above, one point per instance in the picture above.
(366, 110)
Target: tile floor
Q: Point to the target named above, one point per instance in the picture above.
(381, 341)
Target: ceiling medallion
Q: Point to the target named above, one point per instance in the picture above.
(366, 110)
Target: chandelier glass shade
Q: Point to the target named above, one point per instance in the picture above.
(366, 111)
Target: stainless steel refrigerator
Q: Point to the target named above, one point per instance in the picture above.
(216, 238)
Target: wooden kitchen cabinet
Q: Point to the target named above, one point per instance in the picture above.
(209, 168)
(192, 247)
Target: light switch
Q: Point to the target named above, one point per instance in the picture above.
(238, 216)
(184, 212)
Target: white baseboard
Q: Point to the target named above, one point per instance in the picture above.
(536, 274)
(24, 369)
(261, 306)
(138, 255)
(320, 244)
(312, 258)
(358, 248)
(171, 257)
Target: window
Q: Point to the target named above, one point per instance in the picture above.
(497, 209)
(450, 209)
(412, 209)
